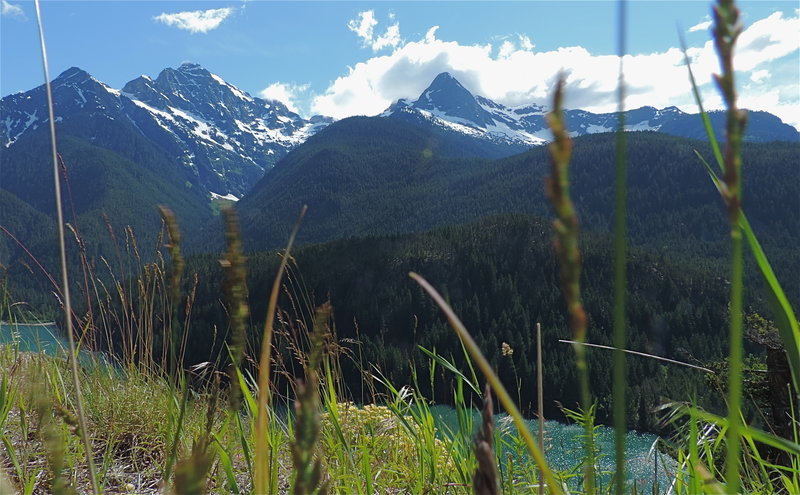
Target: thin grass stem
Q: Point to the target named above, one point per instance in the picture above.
(63, 258)
(637, 353)
(620, 267)
(262, 454)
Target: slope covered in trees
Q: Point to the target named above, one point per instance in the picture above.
(501, 278)
(102, 192)
(366, 176)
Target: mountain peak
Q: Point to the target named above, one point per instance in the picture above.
(190, 67)
(446, 82)
(444, 76)
(73, 72)
(187, 71)
(447, 96)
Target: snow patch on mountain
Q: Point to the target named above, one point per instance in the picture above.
(229, 196)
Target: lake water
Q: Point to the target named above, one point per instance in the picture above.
(44, 337)
(33, 337)
(564, 448)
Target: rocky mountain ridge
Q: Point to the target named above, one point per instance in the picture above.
(221, 137)
(223, 140)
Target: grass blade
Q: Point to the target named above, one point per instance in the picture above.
(785, 319)
(755, 433)
(227, 466)
(784, 315)
(262, 467)
(173, 451)
(450, 367)
(696, 92)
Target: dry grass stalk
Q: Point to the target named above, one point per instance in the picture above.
(566, 223)
(176, 274)
(309, 478)
(485, 480)
(235, 289)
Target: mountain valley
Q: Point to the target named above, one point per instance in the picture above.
(450, 184)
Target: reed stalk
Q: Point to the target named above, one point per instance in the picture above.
(565, 244)
(63, 258)
(727, 29)
(485, 481)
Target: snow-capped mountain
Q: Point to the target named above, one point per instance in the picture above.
(448, 105)
(221, 140)
(222, 137)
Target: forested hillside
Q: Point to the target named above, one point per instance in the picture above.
(366, 176)
(500, 276)
(109, 201)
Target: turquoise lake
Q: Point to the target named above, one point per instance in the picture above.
(33, 337)
(43, 337)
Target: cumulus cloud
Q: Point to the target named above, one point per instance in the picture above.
(514, 73)
(767, 39)
(11, 10)
(525, 43)
(285, 93)
(196, 21)
(364, 27)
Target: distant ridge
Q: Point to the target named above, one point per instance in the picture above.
(449, 106)
(221, 140)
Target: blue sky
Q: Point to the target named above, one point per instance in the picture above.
(347, 58)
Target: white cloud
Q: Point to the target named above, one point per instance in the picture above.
(767, 39)
(515, 74)
(391, 38)
(703, 26)
(506, 49)
(196, 21)
(759, 75)
(11, 10)
(285, 93)
(525, 43)
(364, 27)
